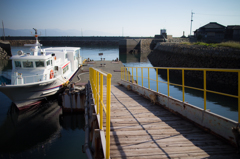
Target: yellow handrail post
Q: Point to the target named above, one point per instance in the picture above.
(94, 86)
(148, 79)
(132, 75)
(129, 74)
(168, 81)
(157, 78)
(137, 75)
(183, 88)
(101, 101)
(142, 75)
(121, 72)
(238, 96)
(124, 73)
(96, 79)
(205, 88)
(108, 116)
(97, 93)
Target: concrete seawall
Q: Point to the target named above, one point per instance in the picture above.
(179, 55)
(62, 40)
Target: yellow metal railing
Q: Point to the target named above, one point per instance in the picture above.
(125, 75)
(96, 80)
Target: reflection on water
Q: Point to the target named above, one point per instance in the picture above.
(133, 58)
(72, 121)
(22, 131)
(37, 132)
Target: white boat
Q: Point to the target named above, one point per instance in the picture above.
(41, 73)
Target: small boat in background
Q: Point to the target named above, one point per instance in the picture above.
(40, 73)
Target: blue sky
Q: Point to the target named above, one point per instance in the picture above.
(118, 17)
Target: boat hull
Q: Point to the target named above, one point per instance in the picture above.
(27, 95)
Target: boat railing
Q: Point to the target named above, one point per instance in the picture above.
(19, 79)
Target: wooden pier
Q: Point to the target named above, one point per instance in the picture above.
(140, 129)
(114, 67)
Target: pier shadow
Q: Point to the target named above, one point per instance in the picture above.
(181, 134)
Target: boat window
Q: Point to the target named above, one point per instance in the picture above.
(48, 62)
(27, 64)
(39, 63)
(66, 56)
(17, 64)
(65, 69)
(56, 68)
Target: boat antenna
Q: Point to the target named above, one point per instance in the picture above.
(35, 31)
(36, 35)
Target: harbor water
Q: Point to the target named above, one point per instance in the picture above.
(46, 132)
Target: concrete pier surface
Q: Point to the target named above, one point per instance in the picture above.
(114, 67)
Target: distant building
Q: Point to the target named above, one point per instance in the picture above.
(211, 32)
(214, 32)
(233, 32)
(163, 35)
(183, 35)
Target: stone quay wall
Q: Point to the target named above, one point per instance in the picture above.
(195, 56)
(5, 50)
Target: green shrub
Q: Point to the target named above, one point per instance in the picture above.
(231, 44)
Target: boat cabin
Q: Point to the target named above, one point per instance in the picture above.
(48, 64)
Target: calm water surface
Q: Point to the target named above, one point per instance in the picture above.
(47, 133)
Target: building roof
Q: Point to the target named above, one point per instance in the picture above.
(234, 27)
(212, 25)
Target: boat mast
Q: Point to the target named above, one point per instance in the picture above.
(35, 52)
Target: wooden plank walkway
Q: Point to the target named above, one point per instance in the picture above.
(82, 76)
(140, 129)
